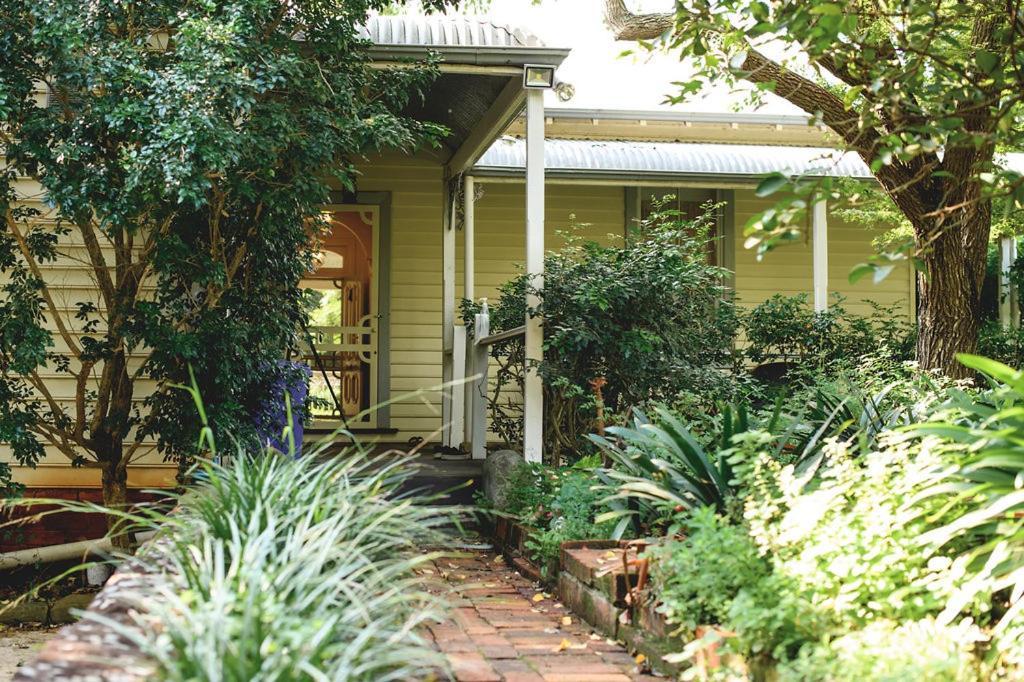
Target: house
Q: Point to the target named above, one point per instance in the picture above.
(423, 231)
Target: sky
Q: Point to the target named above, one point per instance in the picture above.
(601, 77)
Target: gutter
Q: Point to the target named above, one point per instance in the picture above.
(475, 56)
(627, 177)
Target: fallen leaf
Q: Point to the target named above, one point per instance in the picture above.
(594, 636)
(538, 597)
(566, 620)
(640, 658)
(563, 645)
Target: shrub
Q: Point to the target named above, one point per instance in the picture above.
(888, 651)
(650, 316)
(660, 469)
(570, 515)
(786, 329)
(774, 618)
(696, 579)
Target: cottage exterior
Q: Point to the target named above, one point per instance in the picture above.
(422, 231)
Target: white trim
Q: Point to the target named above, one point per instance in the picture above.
(447, 317)
(459, 393)
(819, 240)
(468, 238)
(533, 390)
(1007, 255)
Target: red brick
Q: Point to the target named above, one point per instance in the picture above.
(472, 668)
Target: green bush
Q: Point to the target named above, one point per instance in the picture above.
(786, 329)
(774, 618)
(570, 515)
(886, 651)
(696, 579)
(651, 316)
(290, 569)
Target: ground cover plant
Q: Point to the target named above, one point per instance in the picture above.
(896, 556)
(289, 568)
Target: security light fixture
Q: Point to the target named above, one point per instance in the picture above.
(538, 76)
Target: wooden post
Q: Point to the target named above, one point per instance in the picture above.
(533, 389)
(459, 392)
(469, 287)
(447, 315)
(481, 354)
(819, 243)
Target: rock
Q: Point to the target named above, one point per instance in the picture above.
(24, 612)
(65, 609)
(498, 468)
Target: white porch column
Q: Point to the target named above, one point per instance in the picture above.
(819, 243)
(1007, 297)
(447, 318)
(533, 390)
(469, 292)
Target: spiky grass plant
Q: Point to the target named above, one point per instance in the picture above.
(285, 569)
(282, 568)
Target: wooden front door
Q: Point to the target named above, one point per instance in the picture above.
(343, 324)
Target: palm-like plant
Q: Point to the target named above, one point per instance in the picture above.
(661, 468)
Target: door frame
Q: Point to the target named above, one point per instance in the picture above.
(379, 297)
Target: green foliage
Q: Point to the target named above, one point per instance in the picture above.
(652, 317)
(785, 329)
(985, 436)
(186, 146)
(660, 469)
(570, 515)
(888, 651)
(698, 577)
(285, 568)
(774, 619)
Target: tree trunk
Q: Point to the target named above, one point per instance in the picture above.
(115, 497)
(949, 307)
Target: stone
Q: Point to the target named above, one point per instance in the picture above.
(65, 609)
(498, 468)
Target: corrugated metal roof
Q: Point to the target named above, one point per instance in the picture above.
(442, 31)
(619, 158)
(672, 158)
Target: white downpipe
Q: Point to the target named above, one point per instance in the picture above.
(819, 241)
(533, 390)
(463, 398)
(65, 552)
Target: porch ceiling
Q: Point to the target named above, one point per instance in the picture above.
(479, 91)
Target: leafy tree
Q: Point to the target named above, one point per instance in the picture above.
(182, 148)
(924, 91)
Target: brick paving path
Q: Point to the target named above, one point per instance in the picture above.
(506, 629)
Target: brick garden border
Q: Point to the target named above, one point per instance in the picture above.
(89, 649)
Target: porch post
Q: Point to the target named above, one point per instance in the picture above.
(469, 292)
(1007, 296)
(819, 243)
(447, 316)
(533, 389)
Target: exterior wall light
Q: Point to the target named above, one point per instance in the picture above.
(538, 77)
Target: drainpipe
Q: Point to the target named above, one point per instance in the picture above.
(65, 552)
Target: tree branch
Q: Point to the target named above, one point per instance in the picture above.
(626, 25)
(26, 252)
